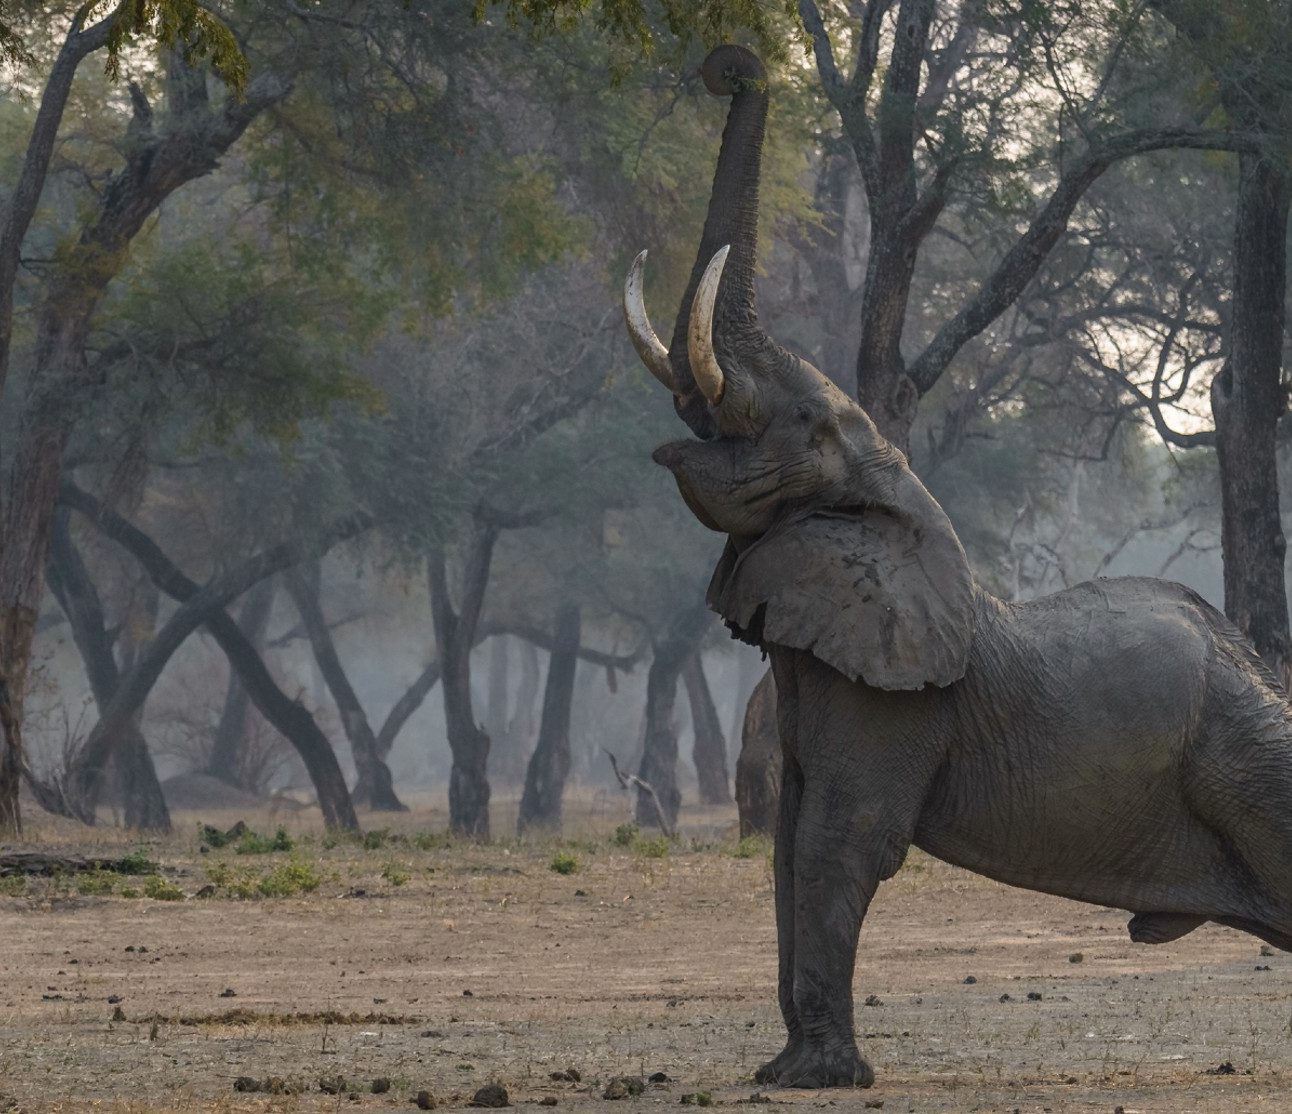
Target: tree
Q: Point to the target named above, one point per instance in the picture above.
(540, 804)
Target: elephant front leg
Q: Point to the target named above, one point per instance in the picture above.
(837, 870)
(783, 861)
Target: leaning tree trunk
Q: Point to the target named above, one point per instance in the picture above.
(375, 787)
(227, 751)
(1247, 400)
(72, 586)
(455, 633)
(206, 605)
(658, 767)
(709, 753)
(758, 769)
(540, 804)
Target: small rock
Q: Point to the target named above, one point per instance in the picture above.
(970, 980)
(873, 1000)
(1227, 1068)
(228, 992)
(434, 1033)
(580, 893)
(246, 1083)
(659, 1077)
(874, 1104)
(467, 994)
(1262, 967)
(380, 1085)
(757, 1098)
(1266, 950)
(1034, 996)
(425, 1100)
(1006, 998)
(1076, 957)
(491, 1094)
(130, 947)
(113, 999)
(622, 1086)
(549, 1100)
(206, 891)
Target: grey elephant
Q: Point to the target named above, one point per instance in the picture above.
(1119, 743)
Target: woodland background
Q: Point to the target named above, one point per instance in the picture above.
(324, 459)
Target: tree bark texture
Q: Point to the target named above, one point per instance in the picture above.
(229, 747)
(206, 606)
(758, 769)
(374, 788)
(659, 749)
(455, 634)
(709, 751)
(1247, 400)
(549, 766)
(72, 586)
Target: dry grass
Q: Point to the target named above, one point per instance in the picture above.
(629, 965)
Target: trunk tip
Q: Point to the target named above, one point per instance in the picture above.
(731, 69)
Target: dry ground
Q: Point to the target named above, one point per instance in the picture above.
(447, 967)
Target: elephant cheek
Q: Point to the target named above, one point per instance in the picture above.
(695, 506)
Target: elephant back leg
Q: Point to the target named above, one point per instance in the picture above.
(758, 770)
(1239, 783)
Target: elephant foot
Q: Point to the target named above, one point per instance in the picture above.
(1162, 928)
(804, 1065)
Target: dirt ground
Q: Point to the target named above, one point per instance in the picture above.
(444, 967)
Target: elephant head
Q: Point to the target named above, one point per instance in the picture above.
(834, 546)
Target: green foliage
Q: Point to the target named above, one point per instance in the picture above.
(432, 841)
(96, 883)
(13, 885)
(285, 880)
(395, 874)
(159, 889)
(626, 835)
(136, 862)
(751, 847)
(563, 863)
(251, 843)
(631, 22)
(655, 848)
(185, 25)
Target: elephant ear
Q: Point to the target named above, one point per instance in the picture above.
(878, 595)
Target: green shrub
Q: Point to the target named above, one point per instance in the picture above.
(564, 863)
(750, 847)
(156, 887)
(657, 848)
(293, 877)
(626, 835)
(13, 885)
(432, 841)
(252, 843)
(137, 862)
(376, 839)
(395, 874)
(129, 891)
(96, 883)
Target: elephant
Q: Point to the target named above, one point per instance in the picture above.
(1119, 742)
(758, 769)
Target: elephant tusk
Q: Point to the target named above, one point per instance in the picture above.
(649, 347)
(699, 338)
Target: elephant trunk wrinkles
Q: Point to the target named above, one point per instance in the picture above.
(733, 208)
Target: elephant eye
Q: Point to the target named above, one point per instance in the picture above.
(803, 415)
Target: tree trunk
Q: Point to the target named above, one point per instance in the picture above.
(1247, 400)
(540, 804)
(226, 761)
(206, 605)
(522, 728)
(659, 748)
(455, 633)
(758, 769)
(374, 787)
(709, 753)
(70, 582)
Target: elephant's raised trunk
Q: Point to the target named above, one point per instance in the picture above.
(733, 212)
